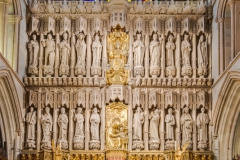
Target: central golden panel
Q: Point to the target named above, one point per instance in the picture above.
(116, 126)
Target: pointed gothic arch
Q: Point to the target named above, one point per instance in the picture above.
(226, 115)
(10, 114)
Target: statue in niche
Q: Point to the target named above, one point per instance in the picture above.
(186, 122)
(186, 50)
(81, 50)
(170, 122)
(138, 120)
(63, 124)
(95, 121)
(202, 52)
(79, 135)
(31, 121)
(154, 124)
(46, 121)
(49, 45)
(33, 47)
(64, 49)
(97, 51)
(138, 50)
(155, 52)
(170, 46)
(202, 124)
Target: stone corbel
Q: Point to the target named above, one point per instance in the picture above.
(95, 98)
(202, 99)
(33, 25)
(49, 25)
(65, 25)
(81, 25)
(33, 98)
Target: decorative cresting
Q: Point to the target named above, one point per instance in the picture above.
(116, 131)
(118, 42)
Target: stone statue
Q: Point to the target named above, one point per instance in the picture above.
(81, 50)
(186, 122)
(186, 50)
(95, 120)
(138, 120)
(46, 121)
(63, 124)
(170, 46)
(33, 47)
(79, 124)
(138, 50)
(49, 45)
(97, 51)
(170, 122)
(154, 51)
(31, 122)
(202, 125)
(64, 50)
(202, 52)
(154, 124)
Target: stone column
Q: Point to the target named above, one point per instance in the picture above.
(178, 55)
(4, 5)
(194, 117)
(57, 55)
(130, 119)
(104, 53)
(55, 116)
(194, 55)
(39, 108)
(221, 43)
(146, 122)
(87, 114)
(210, 127)
(163, 56)
(178, 117)
(130, 56)
(41, 50)
(70, 126)
(146, 55)
(209, 50)
(89, 53)
(162, 123)
(103, 110)
(73, 55)
(232, 3)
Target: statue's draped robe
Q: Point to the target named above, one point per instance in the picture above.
(47, 126)
(95, 120)
(31, 121)
(170, 121)
(154, 123)
(155, 53)
(63, 123)
(186, 121)
(202, 121)
(138, 120)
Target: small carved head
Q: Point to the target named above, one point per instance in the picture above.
(170, 110)
(154, 36)
(96, 38)
(79, 110)
(202, 109)
(201, 38)
(31, 109)
(170, 38)
(49, 36)
(62, 110)
(65, 35)
(34, 37)
(95, 110)
(139, 36)
(186, 110)
(186, 37)
(47, 110)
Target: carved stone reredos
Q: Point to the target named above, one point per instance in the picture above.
(154, 25)
(97, 25)
(81, 25)
(139, 25)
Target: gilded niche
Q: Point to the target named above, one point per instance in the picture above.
(116, 126)
(117, 47)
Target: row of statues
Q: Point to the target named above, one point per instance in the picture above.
(186, 122)
(80, 52)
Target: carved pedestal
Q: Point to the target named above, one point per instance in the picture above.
(64, 144)
(202, 145)
(48, 71)
(154, 71)
(186, 71)
(202, 71)
(170, 145)
(116, 155)
(95, 144)
(170, 71)
(78, 142)
(33, 71)
(64, 70)
(46, 145)
(96, 70)
(154, 144)
(80, 70)
(138, 145)
(138, 71)
(30, 144)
